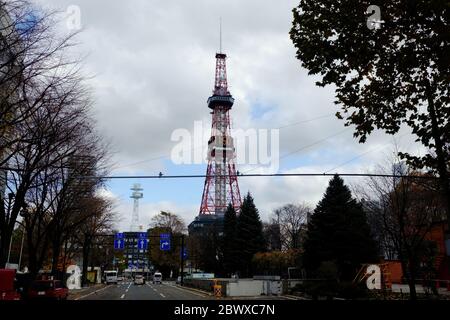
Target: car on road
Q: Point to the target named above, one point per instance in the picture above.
(48, 289)
(111, 277)
(157, 278)
(139, 279)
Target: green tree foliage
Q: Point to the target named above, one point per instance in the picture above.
(249, 235)
(385, 78)
(166, 261)
(339, 232)
(230, 256)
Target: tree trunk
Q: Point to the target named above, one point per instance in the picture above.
(86, 251)
(56, 251)
(412, 274)
(412, 286)
(4, 245)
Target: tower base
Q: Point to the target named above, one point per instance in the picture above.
(206, 223)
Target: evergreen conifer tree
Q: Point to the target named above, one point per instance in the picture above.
(338, 231)
(249, 235)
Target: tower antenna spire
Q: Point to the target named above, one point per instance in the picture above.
(220, 51)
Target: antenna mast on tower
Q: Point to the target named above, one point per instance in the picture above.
(220, 47)
(136, 195)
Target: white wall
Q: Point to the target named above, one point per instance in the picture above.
(245, 288)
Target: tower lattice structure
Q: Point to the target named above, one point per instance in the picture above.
(221, 184)
(136, 195)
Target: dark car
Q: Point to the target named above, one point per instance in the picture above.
(48, 289)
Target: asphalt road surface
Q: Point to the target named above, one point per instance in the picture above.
(148, 291)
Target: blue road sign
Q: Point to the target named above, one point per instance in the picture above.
(185, 254)
(164, 244)
(142, 235)
(119, 236)
(142, 244)
(119, 244)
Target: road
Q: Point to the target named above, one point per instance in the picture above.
(148, 291)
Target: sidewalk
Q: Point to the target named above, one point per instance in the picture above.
(75, 294)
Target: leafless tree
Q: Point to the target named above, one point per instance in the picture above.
(42, 99)
(292, 220)
(403, 211)
(272, 235)
(33, 65)
(169, 221)
(99, 221)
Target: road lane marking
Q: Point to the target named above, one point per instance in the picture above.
(186, 290)
(122, 296)
(96, 291)
(89, 294)
(162, 295)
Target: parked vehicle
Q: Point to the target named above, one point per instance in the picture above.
(48, 289)
(157, 278)
(111, 277)
(7, 287)
(139, 279)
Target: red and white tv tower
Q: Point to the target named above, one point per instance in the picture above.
(221, 185)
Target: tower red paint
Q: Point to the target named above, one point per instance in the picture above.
(221, 184)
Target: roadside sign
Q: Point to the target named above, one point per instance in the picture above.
(142, 244)
(164, 244)
(142, 235)
(164, 235)
(119, 244)
(184, 254)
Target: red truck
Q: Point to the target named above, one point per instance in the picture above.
(7, 289)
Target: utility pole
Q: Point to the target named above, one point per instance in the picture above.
(182, 260)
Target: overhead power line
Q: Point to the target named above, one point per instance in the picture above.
(161, 176)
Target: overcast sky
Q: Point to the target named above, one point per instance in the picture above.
(154, 61)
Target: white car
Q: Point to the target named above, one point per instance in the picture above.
(139, 279)
(110, 277)
(157, 278)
